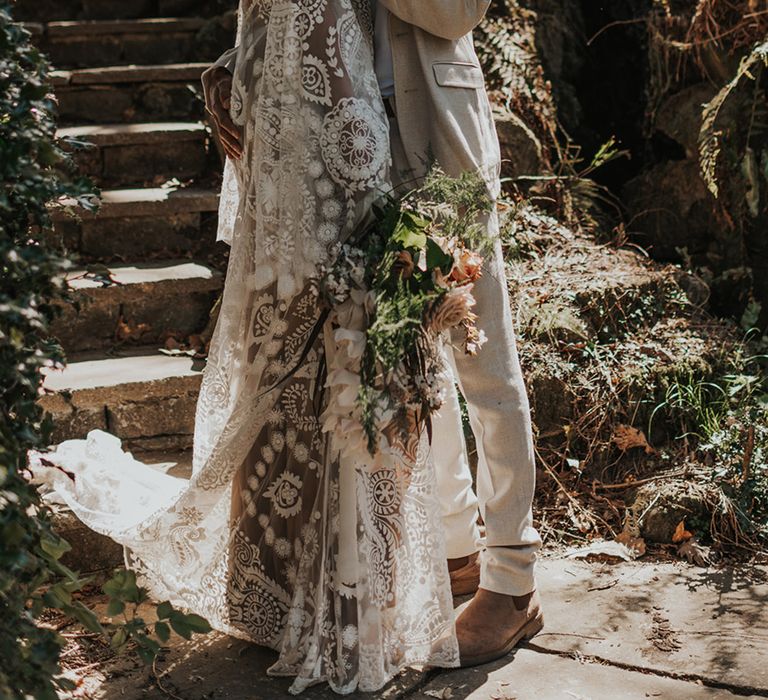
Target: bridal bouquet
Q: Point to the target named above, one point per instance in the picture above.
(397, 286)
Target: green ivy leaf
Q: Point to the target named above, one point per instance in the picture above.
(409, 232)
(146, 642)
(115, 607)
(179, 625)
(13, 535)
(131, 591)
(437, 257)
(164, 610)
(197, 624)
(146, 655)
(54, 546)
(119, 638)
(86, 617)
(57, 596)
(114, 587)
(163, 631)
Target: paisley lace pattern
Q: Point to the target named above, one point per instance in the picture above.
(331, 557)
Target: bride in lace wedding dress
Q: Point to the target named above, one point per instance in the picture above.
(289, 533)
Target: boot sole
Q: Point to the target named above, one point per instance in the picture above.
(526, 632)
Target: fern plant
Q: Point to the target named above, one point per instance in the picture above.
(711, 133)
(505, 43)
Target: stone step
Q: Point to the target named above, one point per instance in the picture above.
(51, 10)
(557, 303)
(136, 154)
(137, 304)
(108, 75)
(94, 43)
(137, 224)
(596, 319)
(130, 94)
(145, 398)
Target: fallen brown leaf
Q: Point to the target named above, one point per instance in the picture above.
(125, 331)
(694, 553)
(681, 534)
(633, 542)
(625, 437)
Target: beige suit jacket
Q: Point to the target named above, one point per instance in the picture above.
(443, 111)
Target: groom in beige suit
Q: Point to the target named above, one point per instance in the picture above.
(434, 92)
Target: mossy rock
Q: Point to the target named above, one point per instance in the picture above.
(662, 505)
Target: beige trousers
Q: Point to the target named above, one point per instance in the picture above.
(497, 402)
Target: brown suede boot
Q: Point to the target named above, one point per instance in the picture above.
(465, 574)
(493, 624)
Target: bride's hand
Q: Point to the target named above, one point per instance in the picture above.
(217, 88)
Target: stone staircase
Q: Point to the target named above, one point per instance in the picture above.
(146, 269)
(145, 266)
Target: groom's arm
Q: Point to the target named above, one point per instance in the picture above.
(449, 19)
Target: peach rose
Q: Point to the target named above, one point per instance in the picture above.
(455, 307)
(467, 266)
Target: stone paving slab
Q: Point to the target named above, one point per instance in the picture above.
(131, 103)
(170, 234)
(141, 153)
(101, 9)
(76, 45)
(143, 397)
(152, 298)
(147, 273)
(132, 368)
(614, 658)
(666, 616)
(146, 201)
(529, 675)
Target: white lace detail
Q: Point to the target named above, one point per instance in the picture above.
(282, 536)
(316, 135)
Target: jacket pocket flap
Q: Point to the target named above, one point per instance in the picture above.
(460, 75)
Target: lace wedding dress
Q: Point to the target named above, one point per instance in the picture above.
(289, 534)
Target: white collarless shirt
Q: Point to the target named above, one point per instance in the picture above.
(384, 63)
